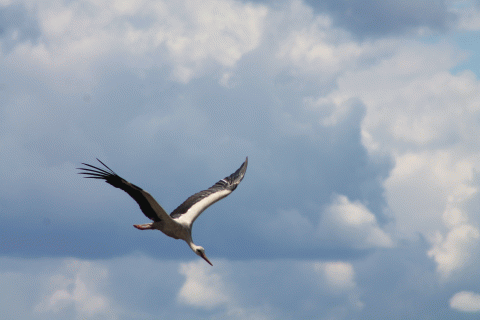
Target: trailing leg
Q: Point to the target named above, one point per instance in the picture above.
(146, 226)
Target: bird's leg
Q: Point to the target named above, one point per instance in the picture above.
(146, 226)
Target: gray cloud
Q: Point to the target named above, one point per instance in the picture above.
(17, 24)
(377, 18)
(380, 18)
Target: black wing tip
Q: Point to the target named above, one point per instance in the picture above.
(243, 167)
(96, 172)
(245, 163)
(235, 178)
(105, 166)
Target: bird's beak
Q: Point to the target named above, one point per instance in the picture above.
(205, 258)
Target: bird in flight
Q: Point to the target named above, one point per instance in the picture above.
(178, 224)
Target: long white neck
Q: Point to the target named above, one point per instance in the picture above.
(193, 246)
(199, 251)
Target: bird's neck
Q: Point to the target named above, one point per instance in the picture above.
(192, 246)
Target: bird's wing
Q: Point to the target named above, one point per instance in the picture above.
(196, 204)
(147, 203)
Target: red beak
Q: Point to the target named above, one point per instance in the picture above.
(205, 258)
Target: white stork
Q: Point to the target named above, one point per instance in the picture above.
(178, 224)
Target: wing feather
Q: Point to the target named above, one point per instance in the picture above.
(147, 203)
(191, 208)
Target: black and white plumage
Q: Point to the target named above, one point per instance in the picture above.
(178, 224)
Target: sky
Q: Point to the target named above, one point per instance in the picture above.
(360, 120)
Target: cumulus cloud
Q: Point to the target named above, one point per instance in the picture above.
(426, 191)
(465, 301)
(203, 287)
(190, 36)
(209, 289)
(224, 290)
(351, 223)
(141, 287)
(411, 101)
(319, 48)
(453, 252)
(77, 290)
(343, 223)
(339, 277)
(428, 184)
(468, 15)
(419, 114)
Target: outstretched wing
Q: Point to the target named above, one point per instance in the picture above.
(147, 203)
(196, 204)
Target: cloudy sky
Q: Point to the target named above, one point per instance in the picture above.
(360, 120)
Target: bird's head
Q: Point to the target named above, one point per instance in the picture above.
(201, 252)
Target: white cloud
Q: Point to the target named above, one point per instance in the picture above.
(343, 222)
(203, 287)
(422, 186)
(318, 47)
(453, 252)
(426, 192)
(411, 100)
(339, 278)
(141, 287)
(188, 35)
(237, 289)
(339, 275)
(420, 115)
(353, 224)
(78, 290)
(468, 15)
(465, 301)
